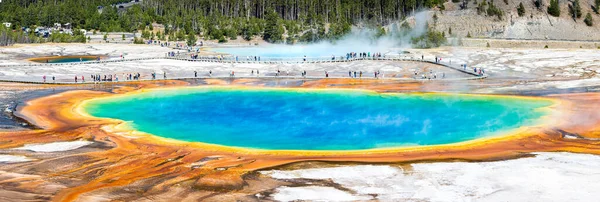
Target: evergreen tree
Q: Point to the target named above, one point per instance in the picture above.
(430, 39)
(180, 35)
(216, 19)
(554, 8)
(146, 34)
(538, 4)
(481, 7)
(575, 9)
(273, 30)
(191, 40)
(494, 11)
(588, 19)
(521, 9)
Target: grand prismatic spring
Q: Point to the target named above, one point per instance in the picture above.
(299, 119)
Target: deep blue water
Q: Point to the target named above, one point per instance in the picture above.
(316, 119)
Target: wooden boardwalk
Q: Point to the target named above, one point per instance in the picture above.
(231, 60)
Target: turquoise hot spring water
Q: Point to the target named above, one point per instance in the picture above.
(306, 119)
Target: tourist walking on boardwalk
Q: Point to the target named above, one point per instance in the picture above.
(354, 74)
(210, 73)
(257, 73)
(44, 77)
(164, 75)
(195, 74)
(350, 74)
(360, 74)
(53, 79)
(75, 78)
(326, 74)
(82, 79)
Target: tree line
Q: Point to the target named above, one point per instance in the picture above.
(300, 20)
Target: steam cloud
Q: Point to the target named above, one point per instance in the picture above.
(359, 40)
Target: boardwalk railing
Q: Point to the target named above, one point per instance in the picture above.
(316, 60)
(252, 60)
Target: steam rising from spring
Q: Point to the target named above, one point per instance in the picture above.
(359, 40)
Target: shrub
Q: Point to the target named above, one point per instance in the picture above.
(222, 39)
(138, 41)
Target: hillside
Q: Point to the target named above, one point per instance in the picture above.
(535, 24)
